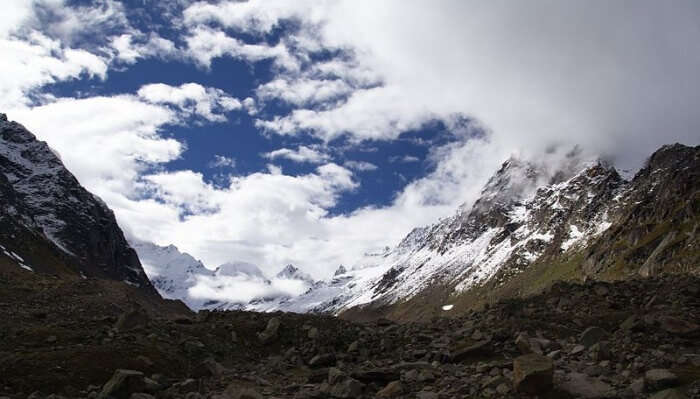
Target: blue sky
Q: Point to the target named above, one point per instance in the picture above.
(307, 132)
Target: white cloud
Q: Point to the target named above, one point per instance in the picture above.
(128, 51)
(192, 98)
(39, 60)
(205, 44)
(301, 154)
(303, 91)
(609, 77)
(360, 165)
(404, 159)
(221, 161)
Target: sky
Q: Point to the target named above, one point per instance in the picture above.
(312, 132)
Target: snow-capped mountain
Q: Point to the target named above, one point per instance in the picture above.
(172, 272)
(51, 222)
(290, 272)
(533, 224)
(178, 275)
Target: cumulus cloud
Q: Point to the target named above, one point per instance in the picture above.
(610, 77)
(303, 91)
(129, 48)
(192, 98)
(301, 154)
(361, 166)
(205, 44)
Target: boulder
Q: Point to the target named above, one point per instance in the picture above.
(133, 319)
(580, 385)
(669, 394)
(592, 335)
(532, 374)
(271, 331)
(122, 384)
(391, 390)
(656, 379)
(347, 388)
(322, 360)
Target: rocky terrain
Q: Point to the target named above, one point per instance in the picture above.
(637, 338)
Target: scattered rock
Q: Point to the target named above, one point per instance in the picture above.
(582, 386)
(657, 379)
(271, 331)
(135, 318)
(323, 360)
(532, 373)
(592, 335)
(391, 390)
(122, 384)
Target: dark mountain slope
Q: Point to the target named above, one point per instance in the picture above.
(53, 224)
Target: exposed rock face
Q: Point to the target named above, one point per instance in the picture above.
(47, 217)
(531, 227)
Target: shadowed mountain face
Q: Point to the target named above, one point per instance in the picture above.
(53, 224)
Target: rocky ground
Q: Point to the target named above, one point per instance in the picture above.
(93, 338)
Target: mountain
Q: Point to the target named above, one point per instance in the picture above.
(49, 223)
(293, 273)
(531, 226)
(173, 273)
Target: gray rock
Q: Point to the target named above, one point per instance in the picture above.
(657, 379)
(122, 384)
(271, 331)
(592, 335)
(581, 385)
(669, 394)
(322, 360)
(532, 373)
(348, 388)
(391, 390)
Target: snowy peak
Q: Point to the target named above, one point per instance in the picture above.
(340, 271)
(535, 222)
(290, 272)
(240, 269)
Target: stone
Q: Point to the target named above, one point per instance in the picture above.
(582, 386)
(391, 390)
(122, 384)
(600, 351)
(236, 392)
(477, 349)
(322, 360)
(632, 323)
(678, 326)
(271, 331)
(657, 379)
(427, 395)
(577, 349)
(313, 333)
(354, 346)
(348, 388)
(135, 318)
(335, 375)
(523, 343)
(532, 373)
(592, 335)
(141, 395)
(637, 386)
(669, 394)
(51, 339)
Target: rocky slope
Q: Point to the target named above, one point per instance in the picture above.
(534, 225)
(630, 339)
(50, 223)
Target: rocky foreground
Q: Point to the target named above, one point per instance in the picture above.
(96, 338)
